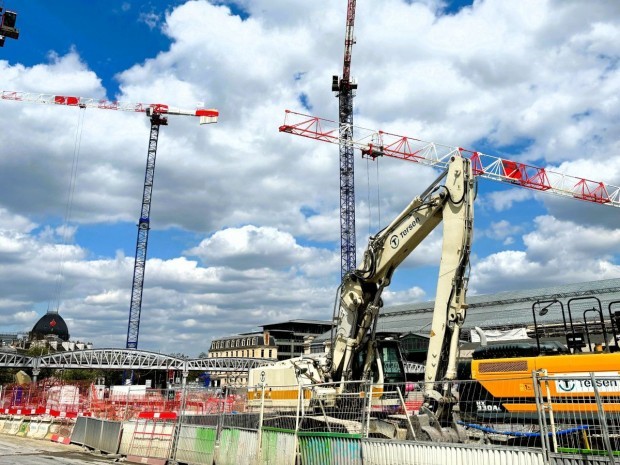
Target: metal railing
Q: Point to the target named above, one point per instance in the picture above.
(564, 419)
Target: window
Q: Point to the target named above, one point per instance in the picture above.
(254, 340)
(242, 342)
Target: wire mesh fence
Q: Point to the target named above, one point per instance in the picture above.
(587, 404)
(49, 394)
(557, 413)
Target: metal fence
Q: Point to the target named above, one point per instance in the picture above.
(589, 404)
(537, 419)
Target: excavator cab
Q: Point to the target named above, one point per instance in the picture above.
(387, 369)
(392, 361)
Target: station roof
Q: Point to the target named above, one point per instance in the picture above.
(502, 310)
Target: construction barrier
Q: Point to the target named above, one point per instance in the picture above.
(101, 435)
(78, 434)
(278, 448)
(92, 433)
(196, 444)
(273, 437)
(330, 449)
(382, 452)
(127, 429)
(237, 447)
(152, 438)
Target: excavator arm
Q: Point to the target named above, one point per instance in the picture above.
(360, 292)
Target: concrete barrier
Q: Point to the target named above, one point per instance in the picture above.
(60, 431)
(13, 427)
(24, 427)
(38, 429)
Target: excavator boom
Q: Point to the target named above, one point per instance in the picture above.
(360, 293)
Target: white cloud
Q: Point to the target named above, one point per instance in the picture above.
(251, 247)
(535, 80)
(556, 252)
(414, 294)
(502, 230)
(151, 19)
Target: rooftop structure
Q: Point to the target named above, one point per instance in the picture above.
(50, 324)
(291, 335)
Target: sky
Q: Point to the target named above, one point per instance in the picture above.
(245, 220)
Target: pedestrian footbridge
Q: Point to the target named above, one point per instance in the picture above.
(126, 359)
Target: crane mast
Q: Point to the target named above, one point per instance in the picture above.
(135, 307)
(345, 91)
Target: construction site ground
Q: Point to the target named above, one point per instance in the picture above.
(24, 451)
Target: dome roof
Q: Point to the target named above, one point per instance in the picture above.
(50, 324)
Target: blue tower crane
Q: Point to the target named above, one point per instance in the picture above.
(345, 91)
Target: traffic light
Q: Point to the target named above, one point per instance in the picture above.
(7, 26)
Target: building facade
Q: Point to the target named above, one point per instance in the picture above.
(244, 345)
(290, 336)
(277, 341)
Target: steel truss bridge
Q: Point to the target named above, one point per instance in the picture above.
(126, 359)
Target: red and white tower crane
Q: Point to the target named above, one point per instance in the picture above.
(345, 91)
(158, 115)
(374, 144)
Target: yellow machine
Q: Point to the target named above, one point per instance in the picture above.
(504, 378)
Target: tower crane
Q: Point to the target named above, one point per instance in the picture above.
(345, 91)
(158, 115)
(374, 144)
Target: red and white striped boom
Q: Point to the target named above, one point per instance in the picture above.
(380, 143)
(206, 115)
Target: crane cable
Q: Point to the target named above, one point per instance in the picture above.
(368, 189)
(65, 232)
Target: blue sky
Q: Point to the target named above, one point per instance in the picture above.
(110, 36)
(245, 219)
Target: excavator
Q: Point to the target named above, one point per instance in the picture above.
(585, 343)
(355, 354)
